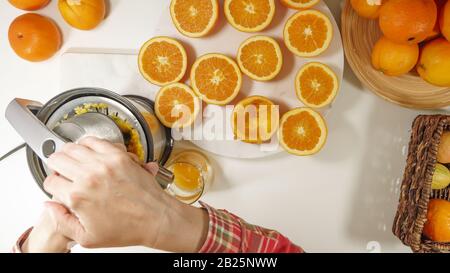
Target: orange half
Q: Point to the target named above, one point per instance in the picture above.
(162, 61)
(194, 18)
(316, 85)
(249, 15)
(216, 79)
(308, 33)
(176, 106)
(260, 58)
(299, 4)
(302, 132)
(255, 119)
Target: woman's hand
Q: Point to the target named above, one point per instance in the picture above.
(45, 238)
(115, 202)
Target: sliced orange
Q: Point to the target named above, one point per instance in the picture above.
(316, 85)
(299, 4)
(249, 15)
(216, 79)
(194, 18)
(260, 58)
(176, 105)
(162, 60)
(308, 33)
(255, 119)
(302, 132)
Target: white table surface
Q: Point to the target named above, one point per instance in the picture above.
(341, 200)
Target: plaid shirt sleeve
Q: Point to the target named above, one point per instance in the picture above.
(230, 234)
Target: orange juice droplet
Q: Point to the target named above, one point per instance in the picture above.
(187, 176)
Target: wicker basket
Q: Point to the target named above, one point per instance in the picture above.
(416, 186)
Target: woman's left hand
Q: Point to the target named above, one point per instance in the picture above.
(44, 238)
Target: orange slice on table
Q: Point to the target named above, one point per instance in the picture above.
(316, 85)
(216, 79)
(260, 58)
(162, 60)
(249, 15)
(308, 33)
(194, 18)
(255, 119)
(302, 132)
(176, 105)
(299, 4)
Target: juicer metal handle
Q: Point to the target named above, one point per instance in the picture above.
(164, 177)
(38, 137)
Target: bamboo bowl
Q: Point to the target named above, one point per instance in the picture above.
(359, 36)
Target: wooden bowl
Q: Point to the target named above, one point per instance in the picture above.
(359, 36)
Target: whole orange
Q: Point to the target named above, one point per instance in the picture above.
(82, 14)
(434, 62)
(444, 21)
(394, 59)
(34, 37)
(436, 32)
(437, 227)
(408, 21)
(367, 8)
(29, 4)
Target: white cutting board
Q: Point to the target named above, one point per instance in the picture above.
(117, 71)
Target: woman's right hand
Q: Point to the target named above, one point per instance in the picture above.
(115, 202)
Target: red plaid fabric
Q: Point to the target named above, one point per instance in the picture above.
(230, 234)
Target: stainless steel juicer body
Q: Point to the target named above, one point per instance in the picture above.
(157, 142)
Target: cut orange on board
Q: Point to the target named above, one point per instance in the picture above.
(176, 105)
(302, 132)
(249, 15)
(260, 58)
(316, 85)
(194, 18)
(299, 4)
(308, 33)
(216, 79)
(255, 119)
(162, 60)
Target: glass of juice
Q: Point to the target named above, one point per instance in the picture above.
(192, 173)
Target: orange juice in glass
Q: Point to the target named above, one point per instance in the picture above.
(192, 172)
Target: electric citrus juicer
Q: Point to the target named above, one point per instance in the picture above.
(77, 113)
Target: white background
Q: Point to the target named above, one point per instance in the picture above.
(336, 201)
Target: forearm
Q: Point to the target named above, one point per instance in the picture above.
(185, 228)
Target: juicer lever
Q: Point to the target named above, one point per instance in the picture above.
(38, 137)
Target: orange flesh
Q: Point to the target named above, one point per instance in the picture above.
(193, 15)
(173, 98)
(260, 58)
(308, 33)
(301, 132)
(216, 78)
(299, 1)
(162, 61)
(187, 176)
(257, 114)
(250, 13)
(316, 85)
